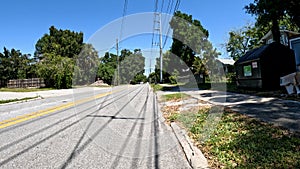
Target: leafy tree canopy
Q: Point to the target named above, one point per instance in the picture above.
(274, 11)
(15, 65)
(191, 46)
(64, 43)
(131, 67)
(189, 37)
(61, 52)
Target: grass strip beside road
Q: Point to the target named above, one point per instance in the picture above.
(16, 100)
(24, 89)
(175, 97)
(22, 118)
(242, 142)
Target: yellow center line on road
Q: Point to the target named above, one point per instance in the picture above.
(22, 118)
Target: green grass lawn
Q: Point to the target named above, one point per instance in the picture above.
(24, 89)
(175, 96)
(242, 142)
(15, 100)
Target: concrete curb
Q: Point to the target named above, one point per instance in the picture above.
(194, 156)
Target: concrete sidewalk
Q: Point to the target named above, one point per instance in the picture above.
(279, 112)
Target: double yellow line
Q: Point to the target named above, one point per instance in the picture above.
(22, 118)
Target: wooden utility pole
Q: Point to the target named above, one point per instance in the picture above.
(160, 49)
(118, 64)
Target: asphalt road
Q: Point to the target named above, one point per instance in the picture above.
(110, 128)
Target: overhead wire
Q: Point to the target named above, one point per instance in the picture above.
(123, 18)
(169, 10)
(154, 18)
(169, 28)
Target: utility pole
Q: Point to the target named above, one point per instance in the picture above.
(150, 65)
(160, 49)
(118, 64)
(158, 27)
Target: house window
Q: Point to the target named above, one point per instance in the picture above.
(247, 71)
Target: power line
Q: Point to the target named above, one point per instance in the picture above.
(120, 37)
(154, 24)
(123, 18)
(158, 25)
(175, 9)
(162, 6)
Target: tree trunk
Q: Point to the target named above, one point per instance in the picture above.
(275, 30)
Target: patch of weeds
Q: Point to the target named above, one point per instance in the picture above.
(24, 89)
(242, 142)
(156, 87)
(15, 100)
(170, 113)
(173, 117)
(175, 97)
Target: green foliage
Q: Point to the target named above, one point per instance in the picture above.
(293, 11)
(191, 46)
(242, 40)
(56, 70)
(156, 87)
(62, 55)
(87, 63)
(240, 141)
(175, 96)
(173, 117)
(274, 12)
(189, 37)
(107, 67)
(131, 65)
(16, 100)
(153, 77)
(15, 65)
(173, 79)
(23, 89)
(231, 77)
(64, 43)
(140, 77)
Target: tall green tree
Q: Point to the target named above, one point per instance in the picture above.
(191, 44)
(132, 66)
(61, 52)
(172, 65)
(60, 42)
(293, 11)
(248, 37)
(242, 40)
(56, 70)
(15, 65)
(189, 37)
(87, 63)
(268, 11)
(107, 67)
(275, 12)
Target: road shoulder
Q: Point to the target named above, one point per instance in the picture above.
(193, 154)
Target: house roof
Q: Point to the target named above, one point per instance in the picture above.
(257, 53)
(252, 55)
(226, 61)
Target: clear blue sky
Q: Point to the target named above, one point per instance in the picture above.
(23, 22)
